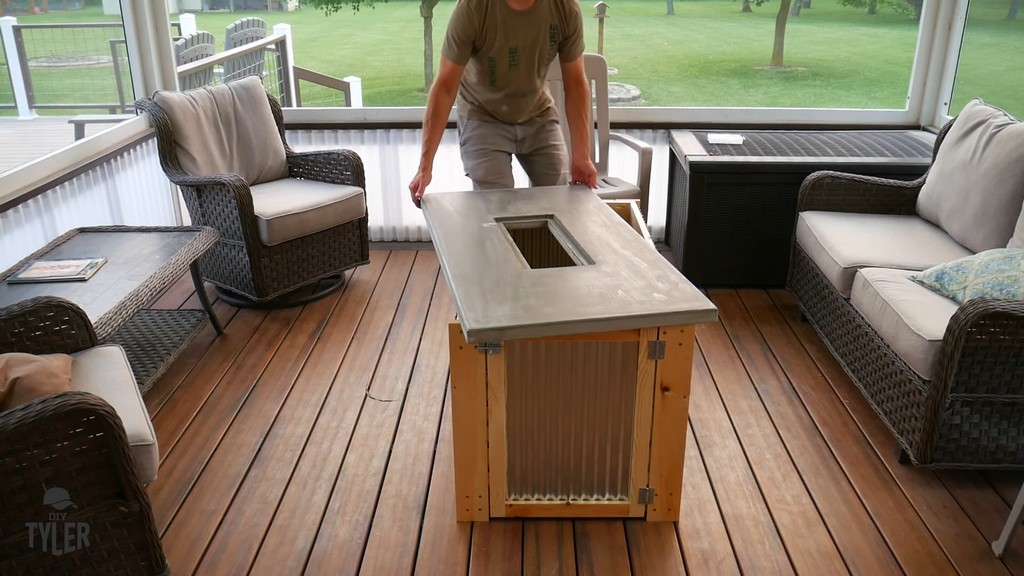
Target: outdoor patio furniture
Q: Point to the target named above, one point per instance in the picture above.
(72, 496)
(946, 377)
(239, 33)
(192, 48)
(608, 187)
(286, 219)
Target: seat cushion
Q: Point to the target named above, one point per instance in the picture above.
(840, 243)
(226, 129)
(290, 208)
(910, 318)
(975, 186)
(105, 372)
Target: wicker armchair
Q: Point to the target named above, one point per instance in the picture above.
(970, 414)
(71, 499)
(279, 233)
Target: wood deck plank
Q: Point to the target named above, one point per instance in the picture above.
(755, 538)
(497, 548)
(779, 361)
(288, 542)
(793, 510)
(221, 358)
(548, 548)
(444, 543)
(211, 421)
(945, 519)
(863, 548)
(243, 528)
(199, 516)
(653, 548)
(189, 359)
(601, 548)
(701, 530)
(344, 531)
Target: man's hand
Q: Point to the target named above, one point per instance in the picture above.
(419, 185)
(584, 172)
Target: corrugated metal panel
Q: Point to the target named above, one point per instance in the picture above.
(129, 189)
(570, 414)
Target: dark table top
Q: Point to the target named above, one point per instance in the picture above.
(141, 263)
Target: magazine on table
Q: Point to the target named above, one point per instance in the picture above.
(57, 270)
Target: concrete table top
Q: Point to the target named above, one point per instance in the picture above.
(620, 281)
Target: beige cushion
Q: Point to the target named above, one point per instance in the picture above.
(226, 129)
(104, 371)
(910, 318)
(975, 188)
(26, 377)
(291, 208)
(839, 243)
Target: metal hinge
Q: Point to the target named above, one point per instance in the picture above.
(646, 495)
(489, 347)
(656, 350)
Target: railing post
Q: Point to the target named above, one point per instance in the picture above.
(188, 24)
(355, 91)
(286, 77)
(14, 66)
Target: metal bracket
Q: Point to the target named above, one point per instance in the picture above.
(656, 350)
(646, 495)
(489, 347)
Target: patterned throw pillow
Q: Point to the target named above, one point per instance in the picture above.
(997, 273)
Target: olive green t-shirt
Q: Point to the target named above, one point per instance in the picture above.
(507, 53)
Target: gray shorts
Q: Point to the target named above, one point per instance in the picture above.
(487, 149)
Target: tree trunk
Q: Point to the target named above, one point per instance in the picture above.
(746, 6)
(917, 4)
(872, 7)
(795, 11)
(427, 12)
(780, 34)
(670, 7)
(1014, 8)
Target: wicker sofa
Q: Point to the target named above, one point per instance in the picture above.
(946, 378)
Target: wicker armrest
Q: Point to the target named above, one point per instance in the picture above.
(73, 441)
(333, 166)
(842, 192)
(983, 350)
(45, 325)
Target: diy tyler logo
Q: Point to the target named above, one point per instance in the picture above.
(57, 535)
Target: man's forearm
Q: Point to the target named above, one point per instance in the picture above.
(435, 119)
(577, 113)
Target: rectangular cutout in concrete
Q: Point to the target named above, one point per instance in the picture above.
(543, 242)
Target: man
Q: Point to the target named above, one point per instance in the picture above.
(495, 57)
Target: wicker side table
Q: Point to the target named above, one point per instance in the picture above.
(141, 263)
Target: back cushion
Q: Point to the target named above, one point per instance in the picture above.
(226, 129)
(975, 188)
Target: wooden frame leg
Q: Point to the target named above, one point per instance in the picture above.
(469, 427)
(671, 408)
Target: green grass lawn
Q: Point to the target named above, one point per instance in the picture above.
(707, 54)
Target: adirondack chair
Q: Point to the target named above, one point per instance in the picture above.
(192, 48)
(239, 33)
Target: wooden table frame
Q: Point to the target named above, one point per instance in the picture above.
(478, 425)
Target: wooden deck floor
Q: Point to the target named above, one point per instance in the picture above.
(22, 141)
(318, 440)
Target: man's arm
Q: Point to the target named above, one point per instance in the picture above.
(577, 112)
(435, 118)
